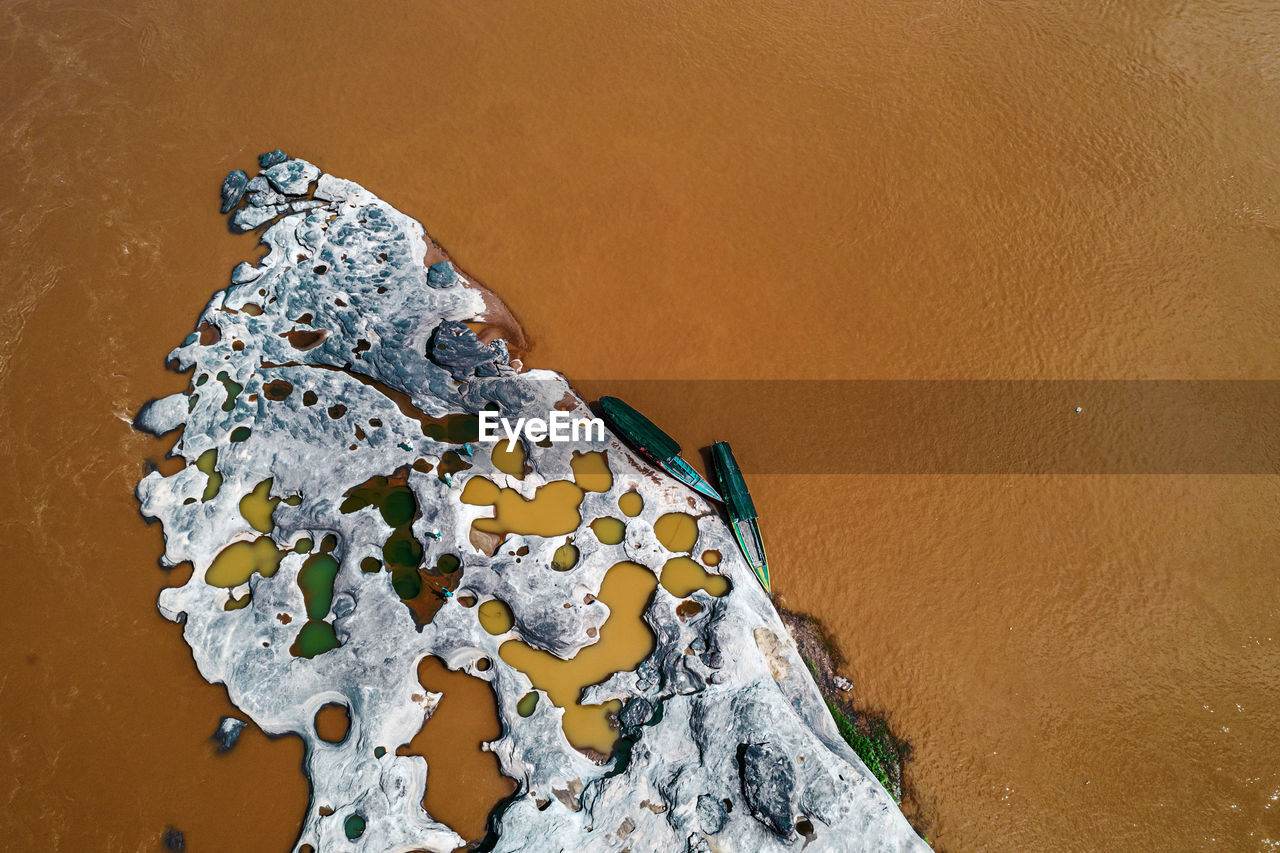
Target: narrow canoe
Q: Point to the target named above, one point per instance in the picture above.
(653, 444)
(742, 511)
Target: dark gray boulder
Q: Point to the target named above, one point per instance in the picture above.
(459, 350)
(441, 274)
(228, 733)
(769, 786)
(271, 158)
(292, 177)
(711, 814)
(636, 712)
(174, 840)
(233, 186)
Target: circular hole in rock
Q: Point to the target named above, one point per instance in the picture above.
(333, 721)
(610, 531)
(483, 664)
(277, 389)
(353, 826)
(305, 339)
(495, 617)
(688, 609)
(565, 558)
(631, 503)
(677, 531)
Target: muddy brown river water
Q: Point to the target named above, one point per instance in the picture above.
(858, 190)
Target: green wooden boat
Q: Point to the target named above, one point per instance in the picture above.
(742, 512)
(653, 444)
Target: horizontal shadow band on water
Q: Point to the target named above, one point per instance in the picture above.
(969, 426)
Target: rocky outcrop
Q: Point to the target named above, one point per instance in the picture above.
(270, 159)
(346, 355)
(228, 733)
(460, 351)
(233, 187)
(768, 786)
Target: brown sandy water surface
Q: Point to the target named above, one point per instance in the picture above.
(924, 190)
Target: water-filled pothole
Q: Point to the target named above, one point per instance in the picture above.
(610, 531)
(236, 563)
(677, 531)
(258, 506)
(552, 511)
(316, 578)
(233, 390)
(631, 504)
(508, 457)
(495, 617)
(207, 465)
(681, 576)
(565, 557)
(421, 589)
(591, 471)
(625, 640)
(333, 721)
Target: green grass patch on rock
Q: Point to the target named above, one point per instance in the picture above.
(871, 740)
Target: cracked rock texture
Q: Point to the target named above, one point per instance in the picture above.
(363, 319)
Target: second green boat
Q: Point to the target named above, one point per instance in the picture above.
(742, 512)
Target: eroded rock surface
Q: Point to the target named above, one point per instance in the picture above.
(345, 357)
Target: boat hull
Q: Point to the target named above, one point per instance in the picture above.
(655, 446)
(751, 544)
(742, 512)
(684, 472)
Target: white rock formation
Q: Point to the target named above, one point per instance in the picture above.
(729, 749)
